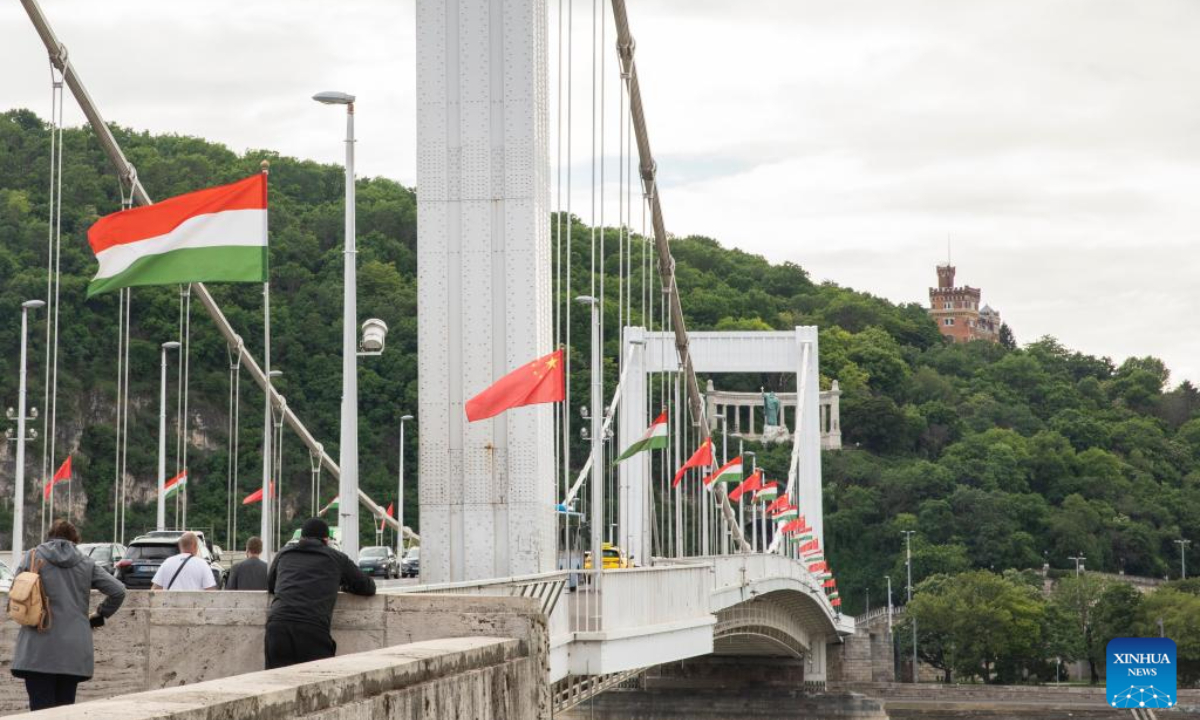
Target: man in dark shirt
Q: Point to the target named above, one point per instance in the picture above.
(251, 573)
(304, 580)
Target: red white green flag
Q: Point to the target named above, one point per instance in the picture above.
(791, 512)
(175, 484)
(730, 472)
(769, 493)
(213, 235)
(655, 438)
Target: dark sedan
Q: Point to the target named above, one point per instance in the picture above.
(379, 560)
(411, 565)
(146, 554)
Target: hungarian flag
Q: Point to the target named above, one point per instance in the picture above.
(256, 496)
(213, 235)
(540, 381)
(730, 472)
(391, 512)
(702, 458)
(655, 438)
(769, 493)
(836, 602)
(173, 485)
(331, 506)
(819, 557)
(833, 595)
(780, 503)
(62, 475)
(791, 512)
(750, 484)
(830, 583)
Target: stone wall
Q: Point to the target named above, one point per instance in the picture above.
(160, 640)
(480, 678)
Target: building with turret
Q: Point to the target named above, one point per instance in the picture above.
(956, 310)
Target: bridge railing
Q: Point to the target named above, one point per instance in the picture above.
(640, 597)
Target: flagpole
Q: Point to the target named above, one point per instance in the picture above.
(264, 525)
(597, 509)
(161, 515)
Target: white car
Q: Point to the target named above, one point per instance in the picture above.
(6, 578)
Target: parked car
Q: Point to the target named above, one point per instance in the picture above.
(105, 555)
(379, 560)
(6, 578)
(410, 566)
(146, 554)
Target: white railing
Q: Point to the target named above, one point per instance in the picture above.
(640, 597)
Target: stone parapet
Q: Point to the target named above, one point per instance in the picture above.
(161, 640)
(484, 678)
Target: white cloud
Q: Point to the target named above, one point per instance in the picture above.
(1054, 140)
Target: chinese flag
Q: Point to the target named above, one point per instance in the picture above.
(63, 473)
(390, 513)
(256, 496)
(830, 583)
(541, 381)
(752, 483)
(780, 503)
(702, 458)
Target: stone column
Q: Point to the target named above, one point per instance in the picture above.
(483, 266)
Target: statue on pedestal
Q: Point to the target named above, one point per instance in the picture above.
(774, 429)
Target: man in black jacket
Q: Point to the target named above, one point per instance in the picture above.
(304, 581)
(251, 573)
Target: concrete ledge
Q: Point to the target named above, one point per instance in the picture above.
(360, 683)
(164, 640)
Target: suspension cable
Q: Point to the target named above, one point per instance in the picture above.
(56, 209)
(184, 390)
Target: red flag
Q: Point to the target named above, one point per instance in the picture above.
(780, 502)
(836, 602)
(702, 458)
(390, 513)
(793, 527)
(818, 566)
(830, 583)
(63, 473)
(256, 496)
(810, 545)
(540, 381)
(750, 484)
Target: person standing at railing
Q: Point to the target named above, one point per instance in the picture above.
(304, 581)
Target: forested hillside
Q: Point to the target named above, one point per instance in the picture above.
(999, 457)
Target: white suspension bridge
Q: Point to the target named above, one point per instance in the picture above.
(503, 501)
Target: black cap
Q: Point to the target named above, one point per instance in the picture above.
(315, 528)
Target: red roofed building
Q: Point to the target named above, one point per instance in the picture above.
(956, 310)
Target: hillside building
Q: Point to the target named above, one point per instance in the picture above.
(956, 310)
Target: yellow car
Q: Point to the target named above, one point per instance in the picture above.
(614, 558)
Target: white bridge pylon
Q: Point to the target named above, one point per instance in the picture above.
(724, 352)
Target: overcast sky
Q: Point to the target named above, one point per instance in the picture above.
(1055, 142)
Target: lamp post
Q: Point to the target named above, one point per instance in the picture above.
(908, 554)
(348, 446)
(889, 605)
(405, 419)
(18, 541)
(1183, 557)
(1078, 562)
(161, 519)
(597, 437)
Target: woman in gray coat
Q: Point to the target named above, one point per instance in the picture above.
(52, 663)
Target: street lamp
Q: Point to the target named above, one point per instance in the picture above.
(18, 542)
(404, 420)
(348, 447)
(889, 605)
(1183, 556)
(1078, 562)
(908, 553)
(597, 509)
(161, 519)
(753, 506)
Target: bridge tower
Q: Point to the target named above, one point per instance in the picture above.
(483, 265)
